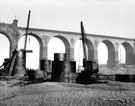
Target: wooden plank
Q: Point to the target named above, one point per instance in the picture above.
(12, 64)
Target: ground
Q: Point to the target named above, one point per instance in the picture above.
(112, 93)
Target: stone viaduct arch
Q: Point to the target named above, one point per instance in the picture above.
(8, 34)
(111, 52)
(38, 39)
(13, 32)
(90, 47)
(129, 53)
(5, 45)
(8, 37)
(67, 45)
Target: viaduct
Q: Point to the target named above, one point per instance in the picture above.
(14, 33)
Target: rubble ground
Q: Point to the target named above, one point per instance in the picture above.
(20, 93)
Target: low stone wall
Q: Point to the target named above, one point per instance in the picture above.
(122, 69)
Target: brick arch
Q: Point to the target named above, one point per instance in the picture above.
(129, 53)
(67, 46)
(10, 41)
(36, 36)
(90, 47)
(121, 54)
(39, 40)
(111, 53)
(40, 43)
(9, 38)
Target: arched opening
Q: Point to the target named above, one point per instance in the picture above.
(107, 54)
(32, 59)
(55, 45)
(4, 47)
(89, 50)
(102, 53)
(121, 55)
(79, 54)
(128, 53)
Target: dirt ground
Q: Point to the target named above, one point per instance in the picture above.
(112, 93)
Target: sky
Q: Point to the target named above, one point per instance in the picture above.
(103, 17)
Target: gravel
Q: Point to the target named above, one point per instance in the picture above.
(68, 94)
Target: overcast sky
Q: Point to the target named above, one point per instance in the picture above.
(106, 17)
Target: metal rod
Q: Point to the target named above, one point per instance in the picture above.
(26, 35)
(83, 41)
(84, 47)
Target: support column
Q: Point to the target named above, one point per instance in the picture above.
(116, 55)
(44, 47)
(129, 57)
(71, 54)
(134, 52)
(15, 37)
(71, 49)
(116, 58)
(111, 59)
(13, 46)
(96, 55)
(96, 43)
(43, 53)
